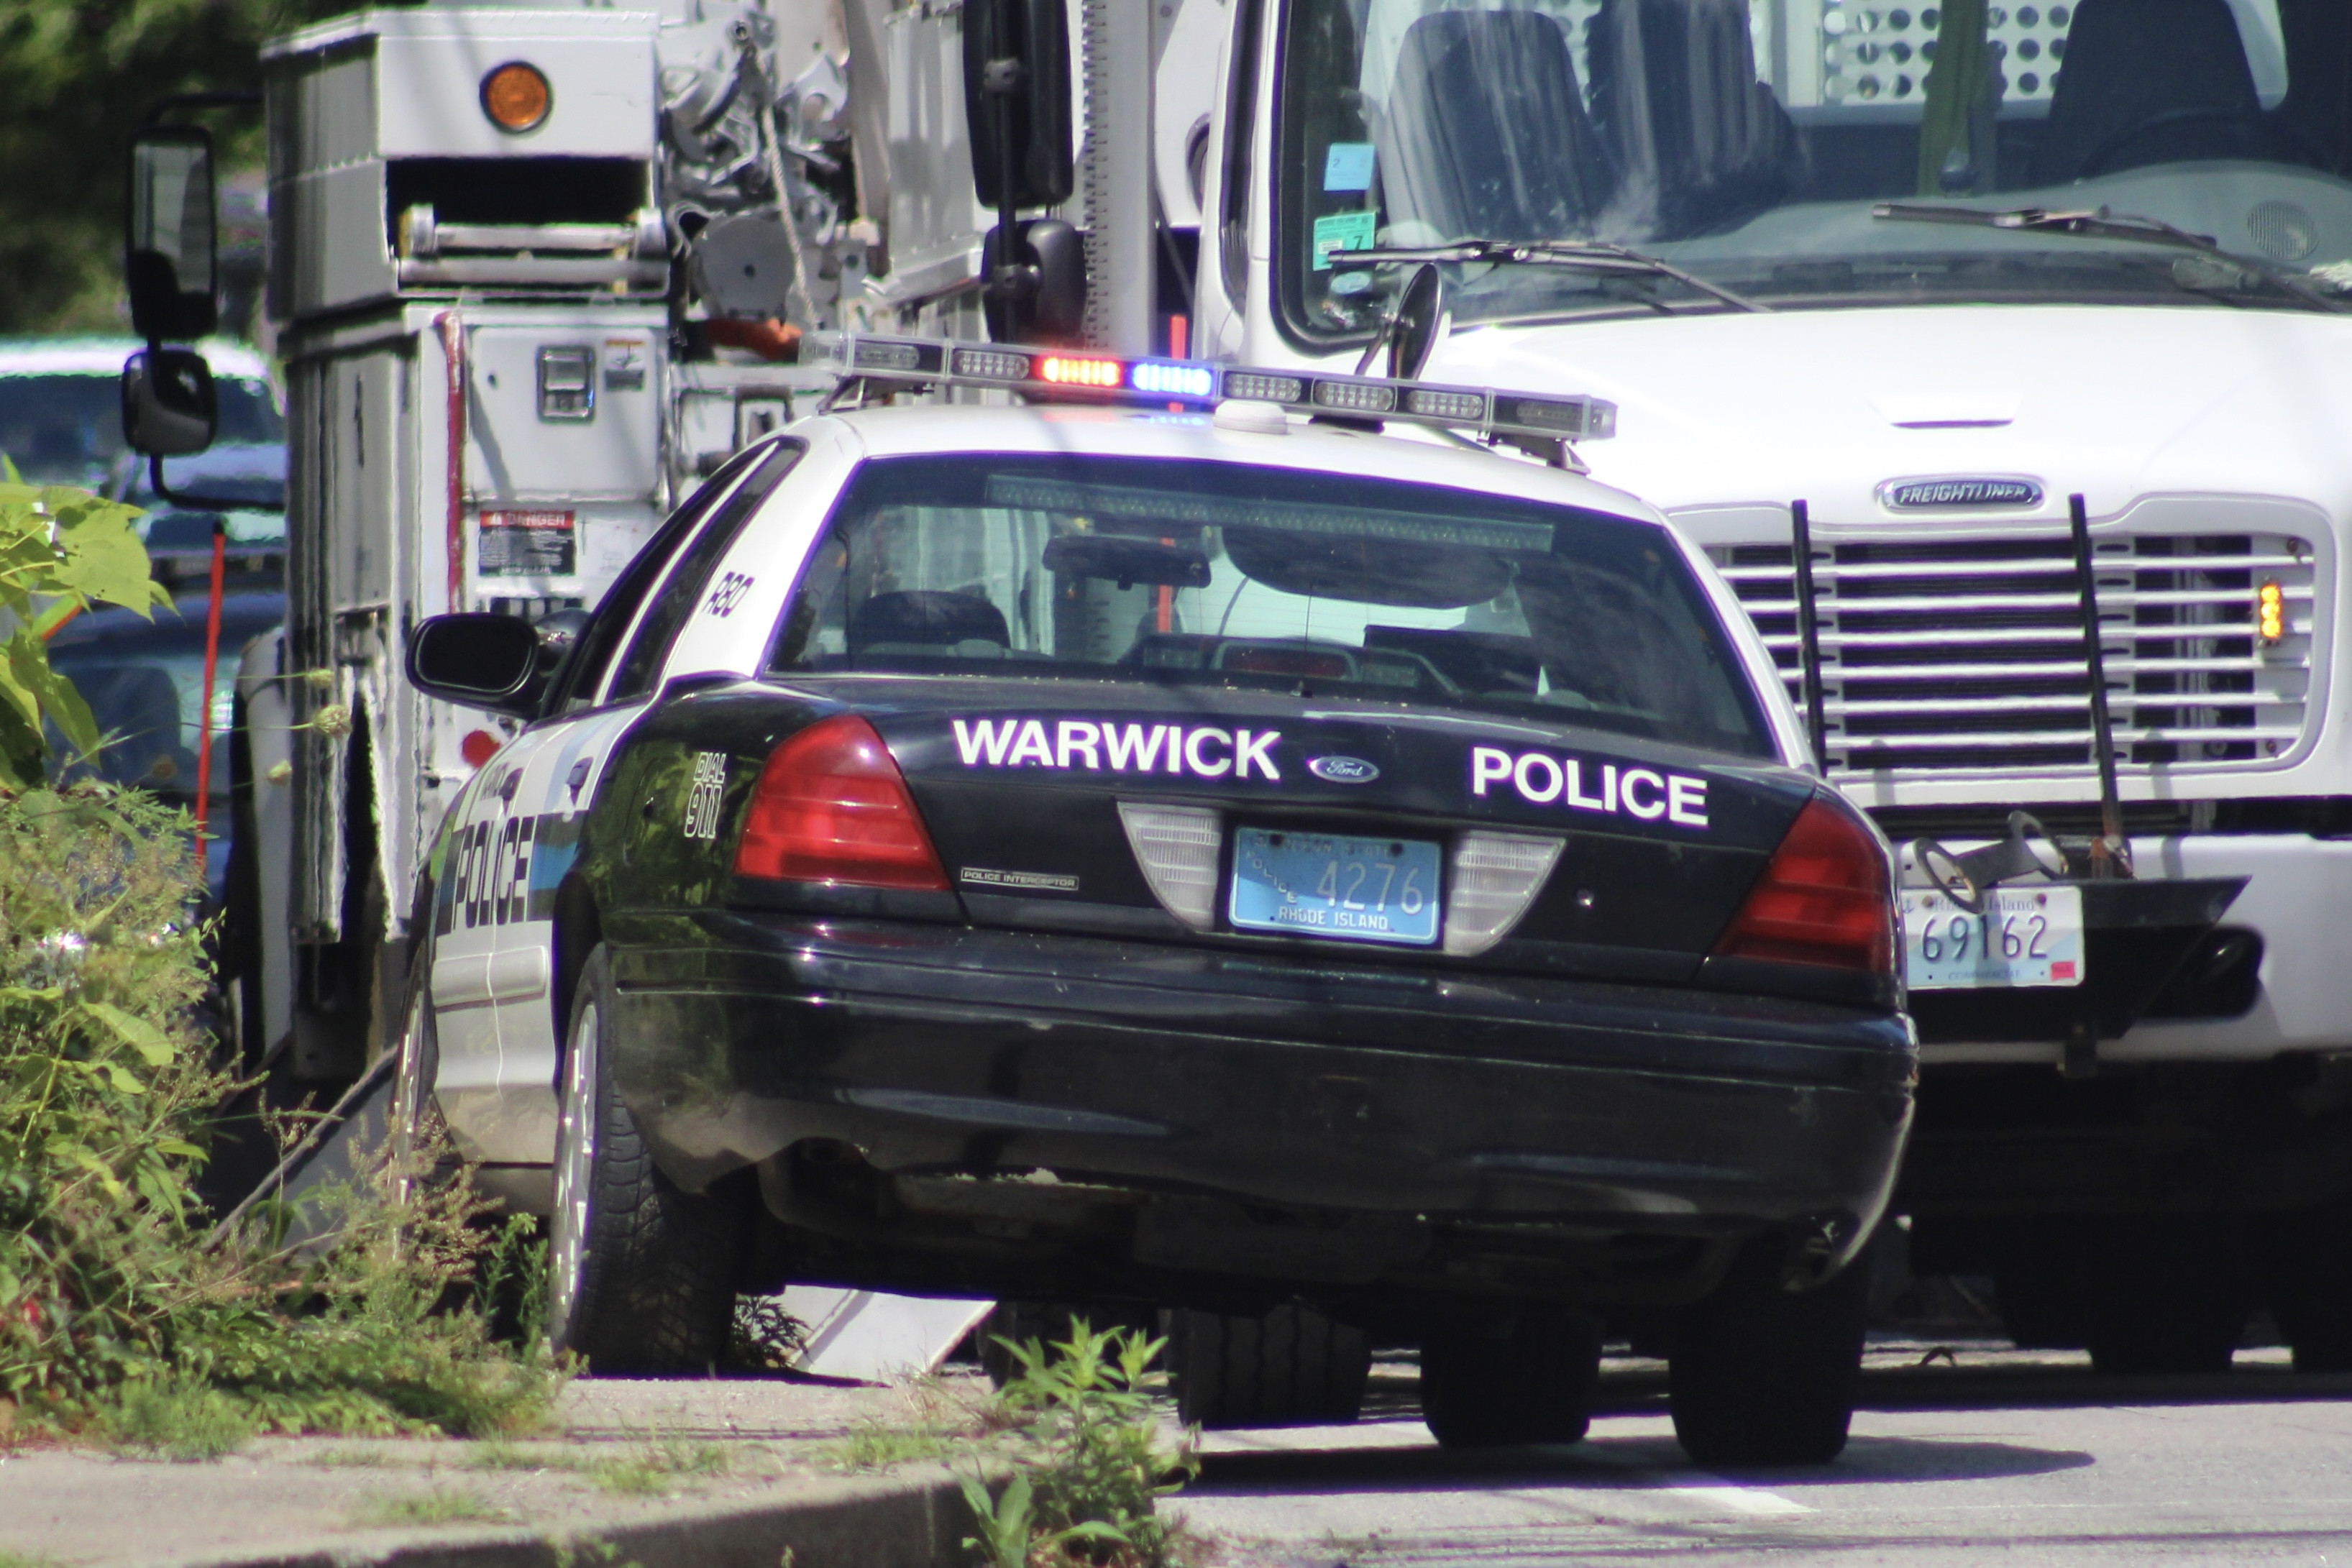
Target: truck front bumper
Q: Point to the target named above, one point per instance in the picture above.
(2298, 900)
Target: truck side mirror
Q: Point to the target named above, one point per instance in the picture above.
(1055, 309)
(496, 661)
(170, 407)
(170, 253)
(1016, 101)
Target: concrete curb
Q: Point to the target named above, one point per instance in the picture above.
(915, 1521)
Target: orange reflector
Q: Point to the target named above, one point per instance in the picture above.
(515, 97)
(1074, 372)
(2270, 612)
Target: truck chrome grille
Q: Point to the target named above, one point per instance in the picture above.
(1966, 654)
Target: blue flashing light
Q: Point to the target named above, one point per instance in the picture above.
(1162, 378)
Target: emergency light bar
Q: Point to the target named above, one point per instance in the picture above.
(1073, 373)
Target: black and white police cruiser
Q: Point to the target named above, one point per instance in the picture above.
(1144, 847)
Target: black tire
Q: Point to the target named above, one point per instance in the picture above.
(1293, 1367)
(1490, 1380)
(2170, 1297)
(1762, 1375)
(2309, 1265)
(641, 1274)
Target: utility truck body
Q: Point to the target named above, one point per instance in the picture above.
(1890, 296)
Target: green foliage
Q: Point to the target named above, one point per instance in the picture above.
(118, 1318)
(651, 1470)
(764, 1337)
(1086, 1484)
(443, 1505)
(80, 75)
(61, 550)
(177, 1421)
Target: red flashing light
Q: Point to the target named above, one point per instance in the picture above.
(479, 746)
(832, 807)
(1067, 370)
(1823, 899)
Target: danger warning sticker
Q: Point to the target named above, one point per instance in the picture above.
(529, 544)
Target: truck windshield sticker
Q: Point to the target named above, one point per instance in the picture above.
(1102, 748)
(704, 796)
(1341, 231)
(1347, 166)
(1542, 780)
(528, 544)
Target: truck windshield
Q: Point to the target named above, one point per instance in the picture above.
(1749, 141)
(1193, 574)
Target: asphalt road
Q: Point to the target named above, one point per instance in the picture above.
(1983, 1454)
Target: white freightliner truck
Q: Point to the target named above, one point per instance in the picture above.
(1947, 330)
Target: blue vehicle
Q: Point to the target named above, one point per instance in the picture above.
(144, 683)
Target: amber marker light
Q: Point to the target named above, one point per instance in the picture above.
(517, 97)
(2270, 612)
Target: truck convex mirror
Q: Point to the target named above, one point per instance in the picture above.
(1055, 310)
(170, 248)
(1016, 101)
(170, 408)
(484, 660)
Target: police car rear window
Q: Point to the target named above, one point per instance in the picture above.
(1224, 574)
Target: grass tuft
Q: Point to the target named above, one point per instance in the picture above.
(175, 1421)
(443, 1505)
(657, 1464)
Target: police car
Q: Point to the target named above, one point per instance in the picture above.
(1163, 851)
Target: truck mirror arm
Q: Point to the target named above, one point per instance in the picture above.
(193, 502)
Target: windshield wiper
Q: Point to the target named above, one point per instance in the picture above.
(1579, 254)
(2098, 222)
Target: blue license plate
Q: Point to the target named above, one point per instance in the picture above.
(1333, 884)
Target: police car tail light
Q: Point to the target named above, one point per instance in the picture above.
(1178, 848)
(832, 807)
(1823, 900)
(1495, 878)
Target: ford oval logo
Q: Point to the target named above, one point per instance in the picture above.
(1342, 769)
(1960, 492)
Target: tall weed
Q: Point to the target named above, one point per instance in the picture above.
(117, 1317)
(1087, 1480)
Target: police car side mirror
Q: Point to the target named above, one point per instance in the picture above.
(170, 407)
(480, 661)
(170, 252)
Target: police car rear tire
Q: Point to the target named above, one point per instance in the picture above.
(1492, 1379)
(1292, 1367)
(641, 1272)
(1762, 1375)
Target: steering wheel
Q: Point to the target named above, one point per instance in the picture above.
(2095, 163)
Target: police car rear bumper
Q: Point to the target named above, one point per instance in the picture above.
(1322, 1082)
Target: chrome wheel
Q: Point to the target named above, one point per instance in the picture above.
(575, 1155)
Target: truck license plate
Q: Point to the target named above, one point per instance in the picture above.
(2022, 936)
(1331, 885)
